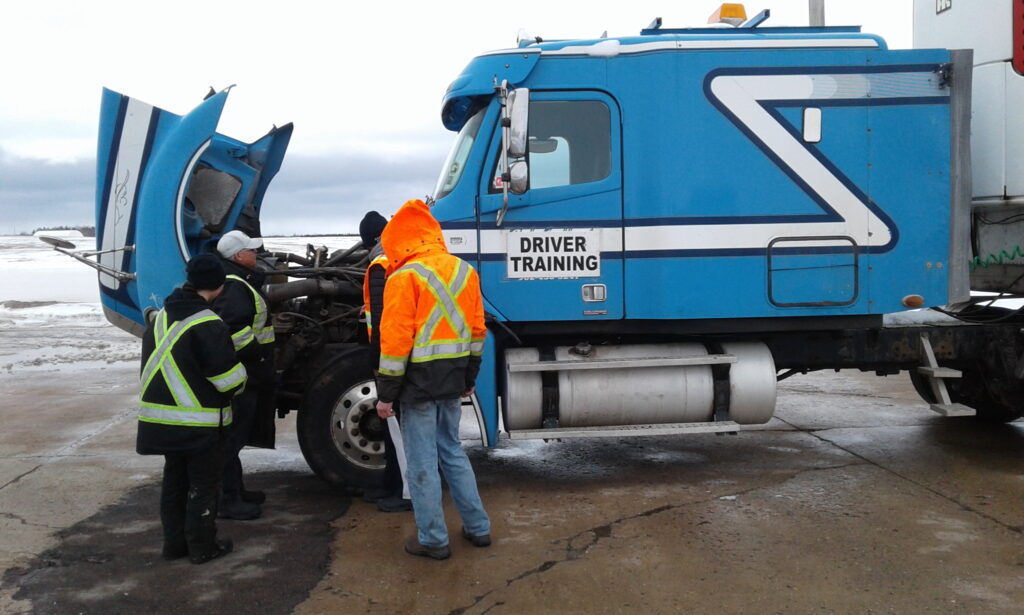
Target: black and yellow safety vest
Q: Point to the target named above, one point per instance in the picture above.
(189, 375)
(260, 330)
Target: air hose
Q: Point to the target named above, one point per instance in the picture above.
(996, 259)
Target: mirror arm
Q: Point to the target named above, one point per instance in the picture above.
(84, 257)
(506, 123)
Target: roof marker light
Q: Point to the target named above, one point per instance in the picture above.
(731, 13)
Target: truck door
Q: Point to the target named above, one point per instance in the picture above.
(558, 253)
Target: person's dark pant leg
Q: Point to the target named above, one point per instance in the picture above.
(173, 500)
(243, 412)
(204, 475)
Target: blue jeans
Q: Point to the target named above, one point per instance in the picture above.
(430, 431)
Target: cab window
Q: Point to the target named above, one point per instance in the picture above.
(569, 143)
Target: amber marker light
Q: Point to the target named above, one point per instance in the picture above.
(913, 301)
(731, 13)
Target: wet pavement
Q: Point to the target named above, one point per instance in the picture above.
(856, 498)
(111, 563)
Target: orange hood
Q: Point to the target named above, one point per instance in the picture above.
(412, 231)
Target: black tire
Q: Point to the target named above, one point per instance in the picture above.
(997, 398)
(924, 390)
(994, 402)
(339, 432)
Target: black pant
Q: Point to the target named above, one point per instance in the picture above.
(243, 413)
(188, 500)
(392, 471)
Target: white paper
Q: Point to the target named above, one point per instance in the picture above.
(396, 437)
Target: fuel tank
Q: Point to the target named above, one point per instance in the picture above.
(637, 384)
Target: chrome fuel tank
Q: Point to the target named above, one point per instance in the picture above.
(636, 384)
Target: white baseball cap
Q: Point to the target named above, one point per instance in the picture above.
(235, 241)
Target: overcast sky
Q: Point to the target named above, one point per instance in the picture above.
(362, 81)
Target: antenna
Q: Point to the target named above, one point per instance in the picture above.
(816, 13)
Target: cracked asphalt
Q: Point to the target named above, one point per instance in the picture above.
(854, 499)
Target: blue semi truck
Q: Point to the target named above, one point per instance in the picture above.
(665, 226)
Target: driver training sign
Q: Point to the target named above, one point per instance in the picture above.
(554, 253)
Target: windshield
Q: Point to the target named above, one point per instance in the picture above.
(455, 164)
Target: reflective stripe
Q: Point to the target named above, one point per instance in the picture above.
(427, 331)
(183, 395)
(446, 307)
(229, 379)
(263, 333)
(476, 348)
(242, 338)
(461, 276)
(166, 341)
(445, 298)
(443, 350)
(161, 325)
(192, 417)
(392, 366)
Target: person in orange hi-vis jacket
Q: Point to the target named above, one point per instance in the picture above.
(431, 342)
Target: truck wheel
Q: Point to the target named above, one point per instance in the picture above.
(997, 398)
(988, 397)
(340, 434)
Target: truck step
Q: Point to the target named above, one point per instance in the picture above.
(953, 409)
(936, 376)
(940, 372)
(557, 366)
(617, 431)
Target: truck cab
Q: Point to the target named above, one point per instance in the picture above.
(675, 198)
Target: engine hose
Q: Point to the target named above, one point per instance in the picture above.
(276, 293)
(288, 257)
(337, 258)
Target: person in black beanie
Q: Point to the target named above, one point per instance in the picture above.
(390, 496)
(189, 375)
(370, 228)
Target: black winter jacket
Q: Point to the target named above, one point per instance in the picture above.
(237, 309)
(252, 276)
(377, 275)
(184, 410)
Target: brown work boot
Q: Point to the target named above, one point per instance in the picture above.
(413, 547)
(478, 540)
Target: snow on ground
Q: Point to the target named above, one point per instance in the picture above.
(297, 245)
(33, 271)
(50, 315)
(65, 234)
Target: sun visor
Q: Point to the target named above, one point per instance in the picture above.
(478, 79)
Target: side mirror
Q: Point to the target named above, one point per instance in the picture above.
(519, 112)
(56, 242)
(519, 177)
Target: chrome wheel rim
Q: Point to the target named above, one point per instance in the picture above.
(357, 431)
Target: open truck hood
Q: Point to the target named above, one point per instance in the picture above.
(171, 186)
